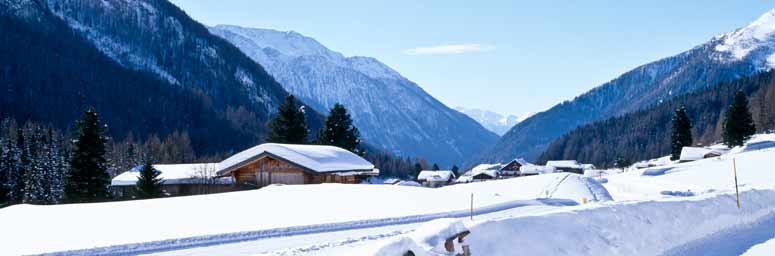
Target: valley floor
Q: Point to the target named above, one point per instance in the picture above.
(672, 209)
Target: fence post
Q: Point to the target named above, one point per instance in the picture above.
(472, 206)
(737, 191)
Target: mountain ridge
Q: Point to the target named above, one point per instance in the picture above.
(637, 89)
(388, 109)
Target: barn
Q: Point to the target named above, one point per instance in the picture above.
(273, 163)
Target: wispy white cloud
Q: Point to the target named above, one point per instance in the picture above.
(449, 49)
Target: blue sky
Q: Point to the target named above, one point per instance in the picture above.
(511, 57)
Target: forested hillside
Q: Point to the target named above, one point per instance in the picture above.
(646, 134)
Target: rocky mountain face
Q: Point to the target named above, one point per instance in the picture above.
(144, 64)
(390, 111)
(724, 58)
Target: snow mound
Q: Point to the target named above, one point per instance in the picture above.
(672, 227)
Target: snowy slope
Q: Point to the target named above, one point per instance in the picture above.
(388, 109)
(675, 209)
(278, 210)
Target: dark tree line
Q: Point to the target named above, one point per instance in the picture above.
(289, 126)
(646, 134)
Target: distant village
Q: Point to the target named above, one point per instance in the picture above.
(291, 164)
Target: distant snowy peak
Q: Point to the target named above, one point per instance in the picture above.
(494, 122)
(294, 45)
(755, 41)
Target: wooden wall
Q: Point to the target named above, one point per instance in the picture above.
(267, 170)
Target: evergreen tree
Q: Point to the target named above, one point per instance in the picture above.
(417, 170)
(682, 133)
(148, 183)
(338, 130)
(23, 163)
(738, 122)
(456, 170)
(289, 126)
(88, 178)
(7, 168)
(435, 167)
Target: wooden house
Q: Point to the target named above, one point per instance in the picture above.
(272, 163)
(570, 166)
(178, 180)
(512, 169)
(435, 179)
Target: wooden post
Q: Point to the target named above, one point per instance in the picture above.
(472, 206)
(737, 192)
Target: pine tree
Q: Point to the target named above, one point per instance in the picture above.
(289, 126)
(23, 163)
(417, 170)
(148, 183)
(435, 167)
(456, 170)
(738, 122)
(682, 133)
(338, 130)
(88, 178)
(7, 168)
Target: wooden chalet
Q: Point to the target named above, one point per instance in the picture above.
(272, 163)
(511, 169)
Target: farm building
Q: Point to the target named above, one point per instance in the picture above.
(272, 163)
(689, 154)
(531, 169)
(512, 169)
(570, 166)
(435, 179)
(179, 179)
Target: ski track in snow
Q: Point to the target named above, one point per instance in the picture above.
(219, 239)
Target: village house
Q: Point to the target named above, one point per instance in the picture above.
(512, 169)
(570, 166)
(531, 169)
(273, 163)
(179, 180)
(480, 173)
(435, 179)
(689, 154)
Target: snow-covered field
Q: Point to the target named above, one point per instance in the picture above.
(177, 223)
(674, 209)
(670, 209)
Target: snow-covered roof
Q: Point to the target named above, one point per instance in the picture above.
(536, 169)
(695, 153)
(173, 174)
(563, 164)
(429, 175)
(317, 158)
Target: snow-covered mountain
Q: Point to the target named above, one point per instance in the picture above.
(724, 58)
(145, 65)
(388, 109)
(497, 123)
